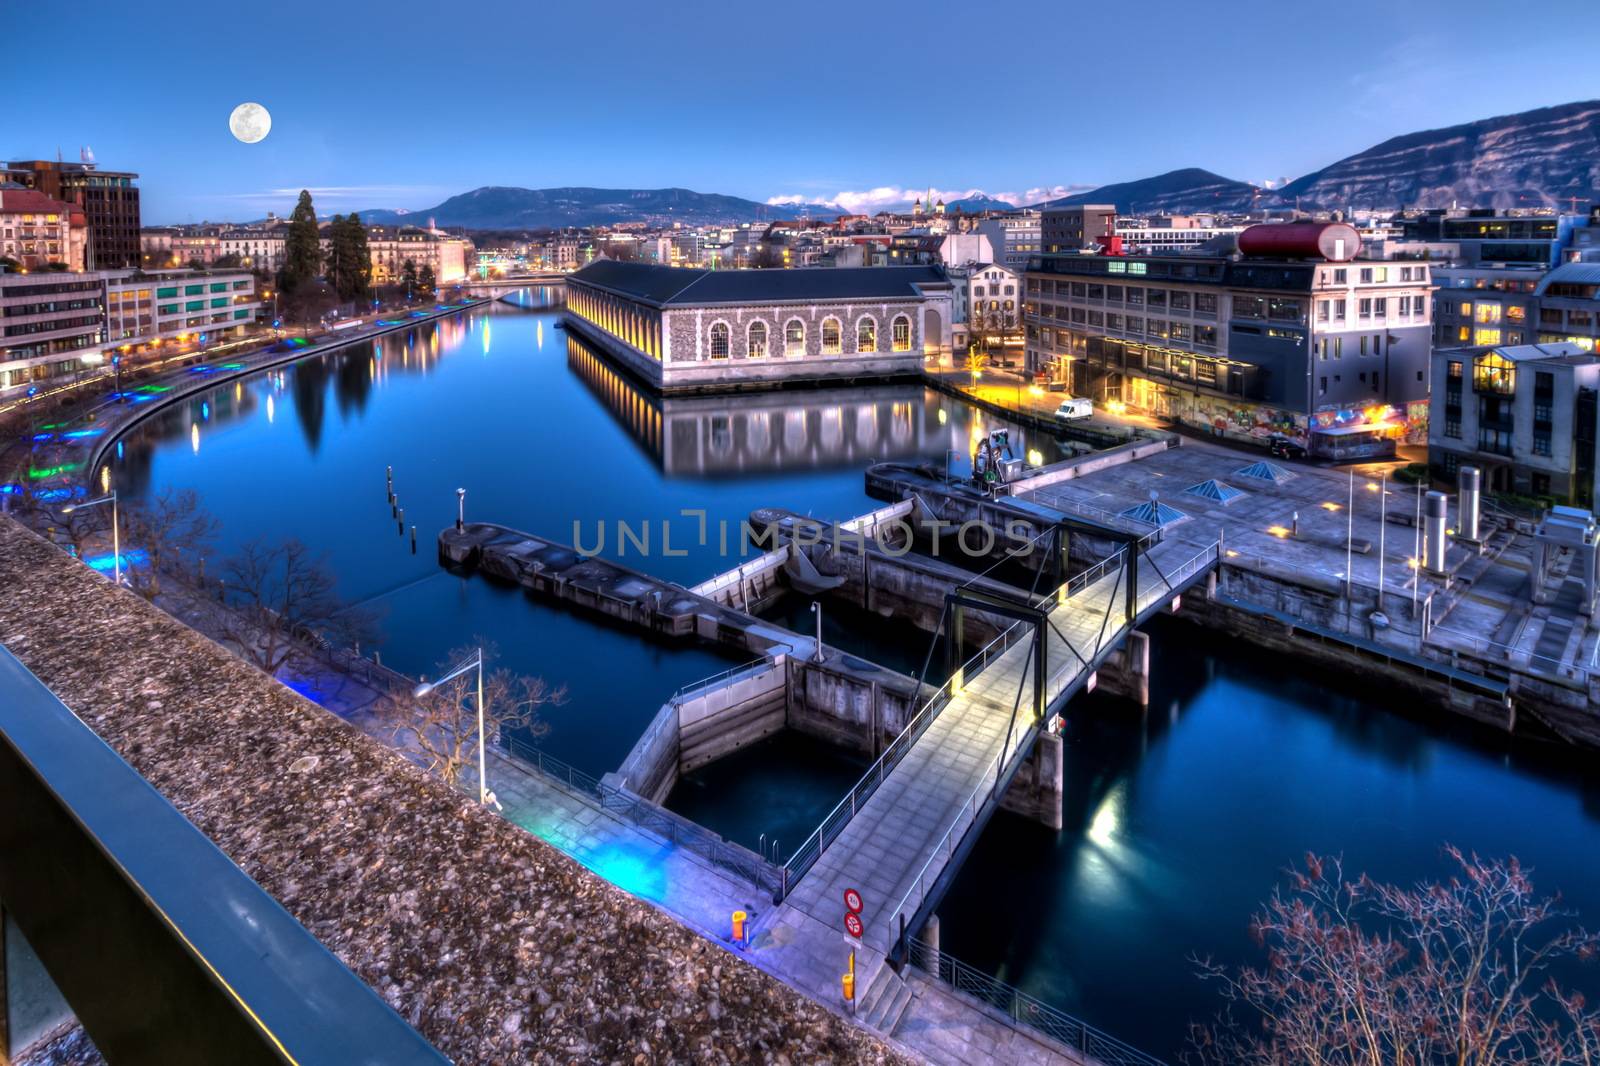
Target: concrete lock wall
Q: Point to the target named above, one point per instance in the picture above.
(752, 586)
(702, 726)
(849, 710)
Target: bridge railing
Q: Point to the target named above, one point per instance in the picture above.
(1026, 1010)
(940, 854)
(1174, 577)
(806, 855)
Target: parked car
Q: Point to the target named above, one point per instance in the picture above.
(1074, 409)
(1283, 448)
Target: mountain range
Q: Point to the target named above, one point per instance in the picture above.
(1542, 158)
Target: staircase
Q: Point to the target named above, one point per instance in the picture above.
(884, 1001)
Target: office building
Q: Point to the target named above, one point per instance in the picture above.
(1294, 337)
(1070, 229)
(51, 327)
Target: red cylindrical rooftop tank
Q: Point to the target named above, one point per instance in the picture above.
(1335, 241)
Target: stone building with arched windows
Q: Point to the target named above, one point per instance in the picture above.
(707, 331)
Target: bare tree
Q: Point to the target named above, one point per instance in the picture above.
(1366, 974)
(282, 595)
(170, 528)
(443, 724)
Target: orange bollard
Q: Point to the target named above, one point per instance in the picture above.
(849, 982)
(739, 918)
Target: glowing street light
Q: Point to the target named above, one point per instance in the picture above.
(475, 662)
(116, 537)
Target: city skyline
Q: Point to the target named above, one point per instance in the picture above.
(656, 105)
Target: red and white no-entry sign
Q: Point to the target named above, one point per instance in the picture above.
(852, 925)
(852, 901)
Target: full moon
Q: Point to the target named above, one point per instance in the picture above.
(250, 122)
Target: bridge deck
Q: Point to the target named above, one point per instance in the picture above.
(895, 846)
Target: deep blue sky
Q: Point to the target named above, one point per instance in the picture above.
(403, 103)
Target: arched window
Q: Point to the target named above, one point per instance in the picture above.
(719, 340)
(867, 334)
(832, 339)
(794, 338)
(758, 340)
(901, 333)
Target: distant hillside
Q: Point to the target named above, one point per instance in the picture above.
(506, 207)
(1175, 192)
(1535, 159)
(975, 204)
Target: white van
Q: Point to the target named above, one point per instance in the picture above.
(1074, 409)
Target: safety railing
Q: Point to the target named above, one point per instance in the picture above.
(1579, 669)
(732, 857)
(693, 688)
(1083, 579)
(806, 855)
(1024, 1009)
(1174, 577)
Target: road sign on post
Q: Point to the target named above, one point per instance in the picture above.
(852, 925)
(852, 901)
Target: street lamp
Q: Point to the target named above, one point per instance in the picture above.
(461, 509)
(475, 662)
(816, 609)
(116, 537)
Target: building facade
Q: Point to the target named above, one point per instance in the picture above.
(51, 326)
(143, 307)
(447, 256)
(109, 199)
(1485, 305)
(1526, 415)
(687, 330)
(1068, 229)
(256, 249)
(38, 232)
(1246, 347)
(1013, 238)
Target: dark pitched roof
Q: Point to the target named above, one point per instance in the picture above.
(678, 287)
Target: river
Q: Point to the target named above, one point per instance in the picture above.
(1179, 821)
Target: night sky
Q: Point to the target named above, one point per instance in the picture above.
(403, 103)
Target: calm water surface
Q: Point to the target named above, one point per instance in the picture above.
(1178, 822)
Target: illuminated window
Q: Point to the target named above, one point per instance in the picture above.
(758, 340)
(1487, 314)
(1486, 336)
(1493, 372)
(867, 334)
(900, 332)
(719, 341)
(794, 338)
(832, 339)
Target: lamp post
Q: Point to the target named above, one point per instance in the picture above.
(461, 509)
(474, 662)
(116, 537)
(816, 609)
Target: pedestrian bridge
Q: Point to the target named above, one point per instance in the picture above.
(901, 834)
(507, 284)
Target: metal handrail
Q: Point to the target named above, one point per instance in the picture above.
(1024, 1009)
(1484, 646)
(834, 822)
(717, 678)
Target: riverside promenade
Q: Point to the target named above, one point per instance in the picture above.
(58, 460)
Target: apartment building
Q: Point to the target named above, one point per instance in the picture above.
(1526, 415)
(37, 232)
(109, 199)
(1069, 229)
(143, 307)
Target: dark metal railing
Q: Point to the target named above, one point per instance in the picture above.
(1026, 1010)
(164, 949)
